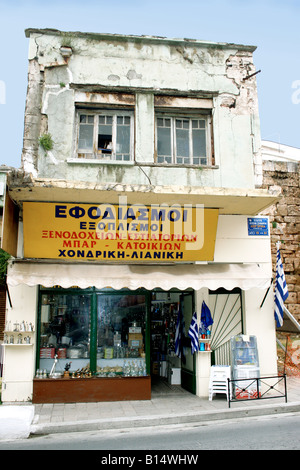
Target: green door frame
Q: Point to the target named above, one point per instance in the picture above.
(188, 376)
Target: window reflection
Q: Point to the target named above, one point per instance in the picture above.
(118, 344)
(121, 335)
(65, 331)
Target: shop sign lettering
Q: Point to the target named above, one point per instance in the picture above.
(119, 232)
(258, 226)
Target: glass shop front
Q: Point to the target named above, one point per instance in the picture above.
(102, 345)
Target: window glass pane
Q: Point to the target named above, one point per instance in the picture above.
(65, 332)
(182, 142)
(123, 139)
(121, 335)
(189, 144)
(113, 129)
(104, 136)
(85, 137)
(183, 160)
(164, 141)
(164, 159)
(199, 143)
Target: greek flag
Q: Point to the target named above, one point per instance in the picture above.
(281, 290)
(193, 333)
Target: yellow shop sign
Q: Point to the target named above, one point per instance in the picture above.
(119, 233)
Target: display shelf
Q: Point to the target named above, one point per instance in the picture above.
(204, 341)
(13, 332)
(15, 335)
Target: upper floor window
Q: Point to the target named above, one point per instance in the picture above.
(105, 135)
(183, 139)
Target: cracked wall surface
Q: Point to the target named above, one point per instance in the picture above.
(142, 68)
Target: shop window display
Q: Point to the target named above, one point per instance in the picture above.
(121, 335)
(92, 333)
(64, 332)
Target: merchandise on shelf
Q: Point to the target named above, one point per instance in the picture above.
(245, 366)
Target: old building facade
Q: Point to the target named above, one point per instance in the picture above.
(281, 171)
(139, 199)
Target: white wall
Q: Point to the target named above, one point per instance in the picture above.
(260, 323)
(19, 361)
(203, 359)
(234, 245)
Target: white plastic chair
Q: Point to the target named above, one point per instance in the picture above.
(218, 382)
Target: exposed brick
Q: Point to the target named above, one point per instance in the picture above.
(286, 214)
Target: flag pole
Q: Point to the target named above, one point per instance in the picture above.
(263, 301)
(281, 290)
(286, 345)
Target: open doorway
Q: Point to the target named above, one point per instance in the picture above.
(171, 374)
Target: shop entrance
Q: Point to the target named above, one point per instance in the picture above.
(117, 344)
(170, 373)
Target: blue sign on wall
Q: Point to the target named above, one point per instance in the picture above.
(258, 226)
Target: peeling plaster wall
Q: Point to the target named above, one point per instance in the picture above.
(142, 67)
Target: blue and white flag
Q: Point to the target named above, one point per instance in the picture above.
(193, 333)
(281, 290)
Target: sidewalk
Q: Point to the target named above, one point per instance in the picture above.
(174, 407)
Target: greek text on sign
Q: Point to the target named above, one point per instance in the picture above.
(258, 226)
(119, 233)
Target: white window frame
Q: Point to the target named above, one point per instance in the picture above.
(96, 153)
(190, 117)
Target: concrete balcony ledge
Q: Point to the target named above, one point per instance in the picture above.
(233, 201)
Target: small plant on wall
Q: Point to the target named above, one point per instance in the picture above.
(46, 142)
(4, 257)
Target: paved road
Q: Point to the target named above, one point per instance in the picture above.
(277, 432)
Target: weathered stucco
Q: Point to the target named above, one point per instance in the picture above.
(145, 74)
(141, 68)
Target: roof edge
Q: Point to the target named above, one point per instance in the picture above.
(129, 37)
